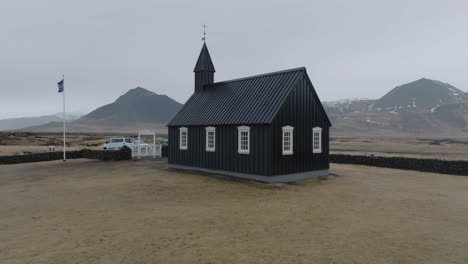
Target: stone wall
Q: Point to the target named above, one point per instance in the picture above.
(123, 154)
(425, 165)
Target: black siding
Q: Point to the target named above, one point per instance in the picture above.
(226, 156)
(302, 110)
(203, 78)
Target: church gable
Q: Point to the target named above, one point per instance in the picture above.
(301, 106)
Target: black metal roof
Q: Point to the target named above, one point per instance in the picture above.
(204, 62)
(251, 100)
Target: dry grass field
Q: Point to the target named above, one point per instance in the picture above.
(402, 144)
(86, 211)
(25, 143)
(431, 145)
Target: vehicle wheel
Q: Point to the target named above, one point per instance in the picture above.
(105, 148)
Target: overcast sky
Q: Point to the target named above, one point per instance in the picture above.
(359, 48)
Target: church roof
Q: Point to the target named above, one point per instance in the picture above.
(251, 100)
(204, 62)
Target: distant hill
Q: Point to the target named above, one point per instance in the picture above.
(138, 108)
(22, 122)
(423, 93)
(420, 108)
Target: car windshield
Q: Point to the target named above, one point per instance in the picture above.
(128, 140)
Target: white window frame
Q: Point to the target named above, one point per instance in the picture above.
(207, 131)
(181, 131)
(240, 130)
(290, 130)
(314, 144)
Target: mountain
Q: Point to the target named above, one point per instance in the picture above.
(423, 93)
(420, 108)
(22, 122)
(138, 108)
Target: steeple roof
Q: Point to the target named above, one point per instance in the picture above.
(204, 62)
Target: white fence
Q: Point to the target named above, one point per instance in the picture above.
(146, 151)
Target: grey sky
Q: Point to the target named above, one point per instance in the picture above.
(350, 48)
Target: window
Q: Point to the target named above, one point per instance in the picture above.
(183, 140)
(210, 138)
(244, 139)
(317, 140)
(288, 140)
(117, 140)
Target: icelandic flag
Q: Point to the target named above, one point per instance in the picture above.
(60, 86)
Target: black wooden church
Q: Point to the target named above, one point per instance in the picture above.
(270, 127)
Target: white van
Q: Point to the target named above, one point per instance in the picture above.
(117, 143)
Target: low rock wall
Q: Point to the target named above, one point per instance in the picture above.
(107, 155)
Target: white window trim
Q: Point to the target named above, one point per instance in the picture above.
(243, 129)
(181, 130)
(319, 130)
(291, 130)
(207, 130)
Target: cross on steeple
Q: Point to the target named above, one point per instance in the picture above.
(204, 32)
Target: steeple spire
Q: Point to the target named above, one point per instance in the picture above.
(204, 62)
(204, 69)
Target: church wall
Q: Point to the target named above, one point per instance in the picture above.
(226, 156)
(301, 110)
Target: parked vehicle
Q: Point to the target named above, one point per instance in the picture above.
(163, 143)
(141, 143)
(117, 143)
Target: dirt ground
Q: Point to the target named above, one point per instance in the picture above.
(85, 211)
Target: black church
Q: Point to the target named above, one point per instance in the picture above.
(270, 127)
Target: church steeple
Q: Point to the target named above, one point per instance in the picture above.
(204, 69)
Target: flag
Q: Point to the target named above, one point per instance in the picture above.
(60, 86)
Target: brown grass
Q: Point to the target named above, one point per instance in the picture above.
(26, 143)
(85, 211)
(423, 145)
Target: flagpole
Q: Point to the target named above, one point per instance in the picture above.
(64, 116)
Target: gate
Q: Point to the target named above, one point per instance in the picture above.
(146, 151)
(153, 150)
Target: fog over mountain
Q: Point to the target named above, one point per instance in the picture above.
(350, 48)
(22, 122)
(137, 109)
